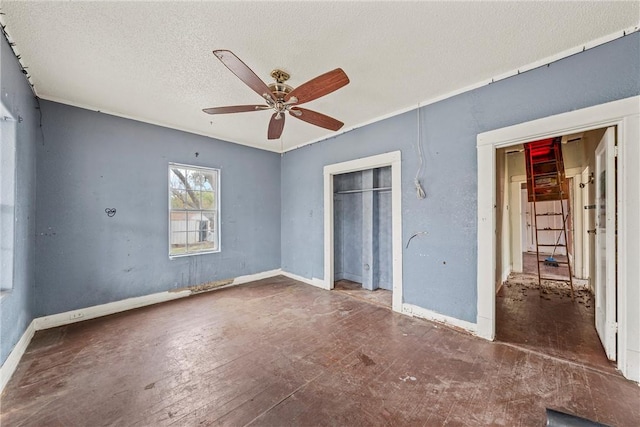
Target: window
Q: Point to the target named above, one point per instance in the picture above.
(194, 210)
(7, 197)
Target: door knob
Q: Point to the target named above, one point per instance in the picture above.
(591, 231)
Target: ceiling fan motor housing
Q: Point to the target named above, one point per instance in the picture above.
(279, 90)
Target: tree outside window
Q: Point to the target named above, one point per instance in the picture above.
(193, 210)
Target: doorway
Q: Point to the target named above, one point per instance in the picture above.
(623, 117)
(362, 235)
(556, 314)
(392, 161)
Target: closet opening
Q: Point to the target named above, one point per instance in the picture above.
(363, 253)
(378, 172)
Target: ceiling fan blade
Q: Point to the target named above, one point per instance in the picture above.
(276, 126)
(235, 109)
(320, 86)
(244, 73)
(316, 118)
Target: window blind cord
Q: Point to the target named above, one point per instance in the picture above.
(416, 181)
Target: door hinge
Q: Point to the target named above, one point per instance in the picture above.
(615, 151)
(615, 327)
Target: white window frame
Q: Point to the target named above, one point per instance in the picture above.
(205, 169)
(8, 170)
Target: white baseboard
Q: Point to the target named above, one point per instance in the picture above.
(73, 316)
(313, 281)
(423, 313)
(258, 276)
(505, 275)
(9, 366)
(60, 319)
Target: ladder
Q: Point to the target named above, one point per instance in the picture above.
(546, 181)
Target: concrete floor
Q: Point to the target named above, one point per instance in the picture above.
(277, 352)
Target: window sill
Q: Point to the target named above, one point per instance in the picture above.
(193, 254)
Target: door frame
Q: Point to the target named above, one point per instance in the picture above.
(392, 159)
(625, 115)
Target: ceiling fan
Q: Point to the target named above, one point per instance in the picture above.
(281, 97)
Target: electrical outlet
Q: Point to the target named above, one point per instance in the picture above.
(77, 315)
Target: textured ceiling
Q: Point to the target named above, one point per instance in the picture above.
(153, 62)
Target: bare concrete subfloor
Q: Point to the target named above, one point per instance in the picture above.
(277, 352)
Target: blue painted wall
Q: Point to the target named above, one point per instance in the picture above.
(348, 228)
(91, 161)
(349, 257)
(16, 305)
(271, 207)
(439, 269)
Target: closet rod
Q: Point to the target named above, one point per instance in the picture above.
(363, 190)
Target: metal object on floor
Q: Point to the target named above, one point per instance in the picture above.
(561, 419)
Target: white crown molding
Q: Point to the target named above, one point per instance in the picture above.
(481, 83)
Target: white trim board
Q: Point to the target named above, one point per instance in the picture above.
(625, 115)
(423, 313)
(9, 366)
(392, 159)
(60, 319)
(107, 309)
(528, 67)
(95, 311)
(314, 281)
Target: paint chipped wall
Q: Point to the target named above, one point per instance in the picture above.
(91, 161)
(439, 269)
(16, 305)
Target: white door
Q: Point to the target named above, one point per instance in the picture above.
(528, 233)
(587, 224)
(605, 254)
